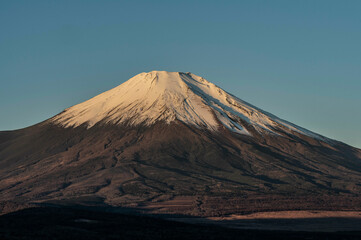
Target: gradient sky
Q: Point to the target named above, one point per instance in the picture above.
(300, 60)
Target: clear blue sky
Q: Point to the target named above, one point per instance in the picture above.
(300, 60)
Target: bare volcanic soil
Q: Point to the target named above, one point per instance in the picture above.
(153, 167)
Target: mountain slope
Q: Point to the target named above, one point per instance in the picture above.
(175, 142)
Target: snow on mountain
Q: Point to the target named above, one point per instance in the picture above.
(168, 96)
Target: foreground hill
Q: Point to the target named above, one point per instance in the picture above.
(72, 223)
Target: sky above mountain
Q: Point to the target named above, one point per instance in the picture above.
(300, 60)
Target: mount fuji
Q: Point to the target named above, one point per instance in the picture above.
(172, 142)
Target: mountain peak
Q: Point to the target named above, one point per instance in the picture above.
(167, 81)
(161, 80)
(145, 99)
(164, 96)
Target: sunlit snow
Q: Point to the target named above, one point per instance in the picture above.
(166, 96)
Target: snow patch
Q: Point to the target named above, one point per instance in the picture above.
(168, 96)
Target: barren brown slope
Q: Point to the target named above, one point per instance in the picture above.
(208, 173)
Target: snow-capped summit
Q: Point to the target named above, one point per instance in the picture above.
(170, 137)
(169, 96)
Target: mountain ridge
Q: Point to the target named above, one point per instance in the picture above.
(177, 166)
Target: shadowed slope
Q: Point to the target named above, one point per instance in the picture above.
(138, 166)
